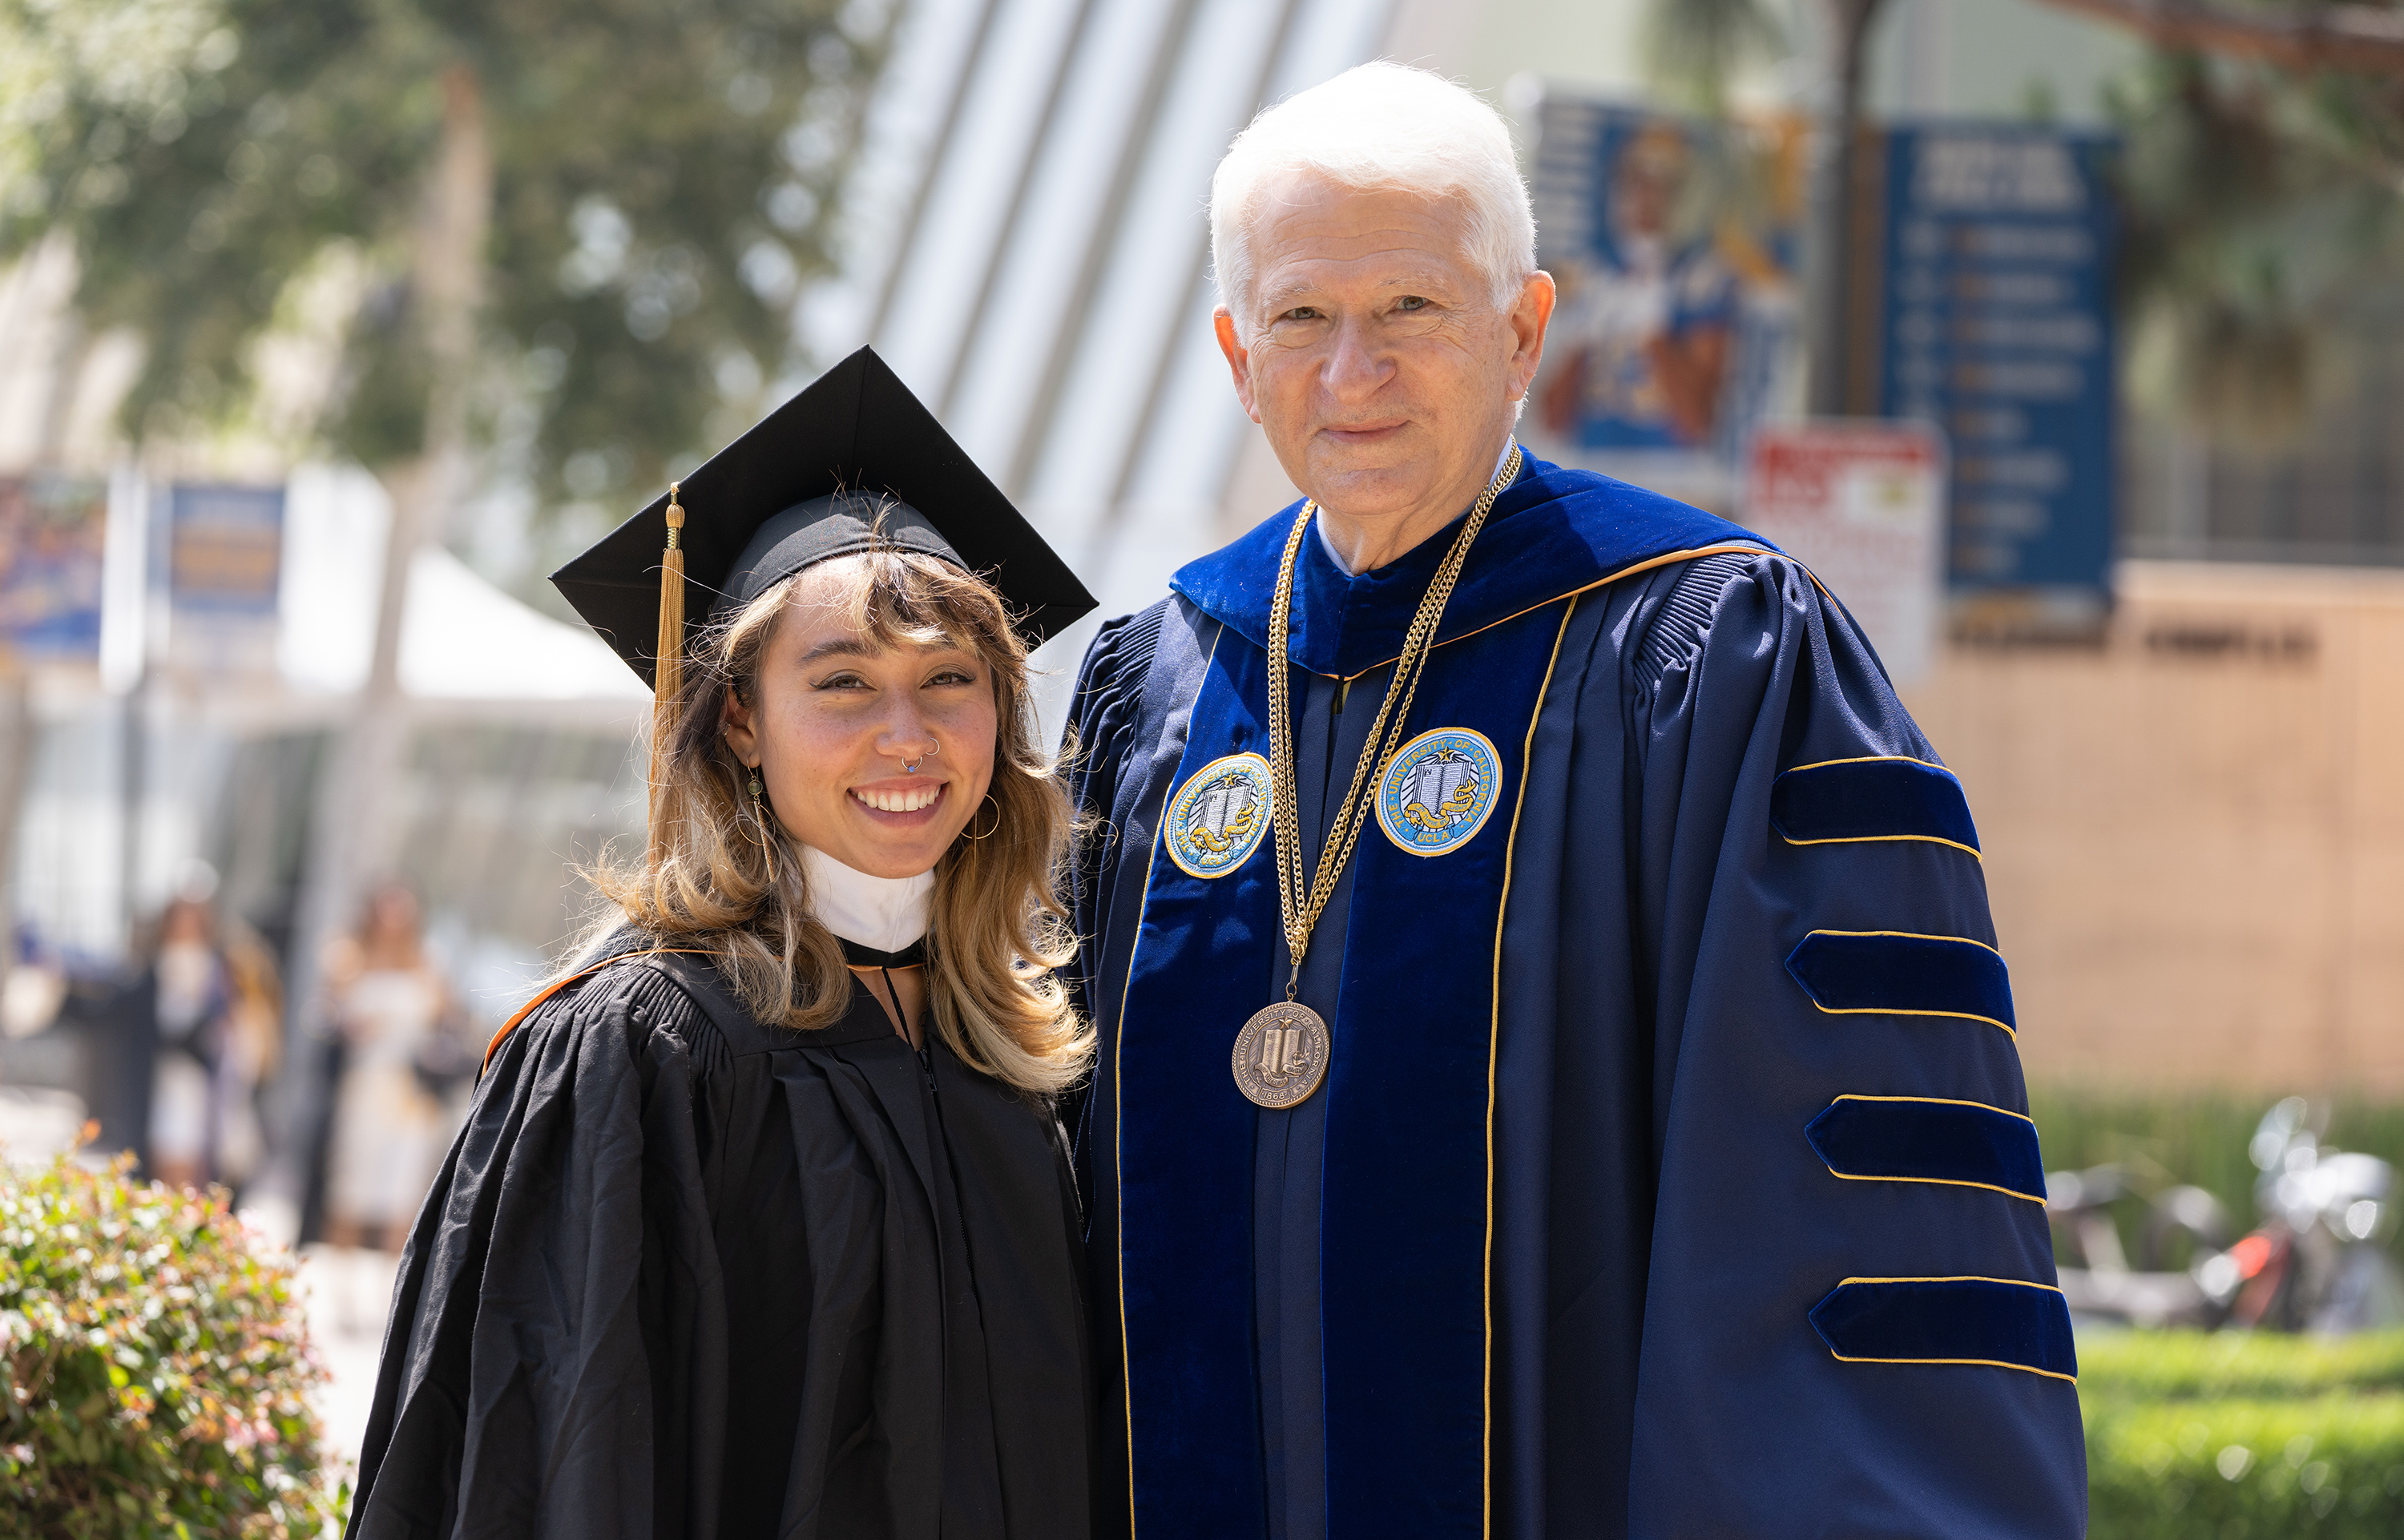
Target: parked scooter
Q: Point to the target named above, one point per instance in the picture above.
(2317, 1261)
(2153, 1293)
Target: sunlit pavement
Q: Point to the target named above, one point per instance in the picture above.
(347, 1293)
(36, 1125)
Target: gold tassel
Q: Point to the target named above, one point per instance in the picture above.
(668, 670)
(667, 673)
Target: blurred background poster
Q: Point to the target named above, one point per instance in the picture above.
(1674, 244)
(52, 535)
(225, 560)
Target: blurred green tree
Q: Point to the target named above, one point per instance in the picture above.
(1693, 47)
(597, 213)
(568, 233)
(2264, 152)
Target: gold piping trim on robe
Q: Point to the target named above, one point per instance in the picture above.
(2037, 1198)
(1890, 839)
(1493, 1051)
(1979, 1363)
(1869, 759)
(1942, 1101)
(2007, 1030)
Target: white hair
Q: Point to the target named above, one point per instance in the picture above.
(1377, 127)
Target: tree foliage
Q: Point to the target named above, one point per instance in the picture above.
(664, 181)
(2261, 208)
(1693, 47)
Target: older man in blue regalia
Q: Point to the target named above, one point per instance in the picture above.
(1557, 1074)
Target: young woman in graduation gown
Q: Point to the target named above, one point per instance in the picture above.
(764, 1224)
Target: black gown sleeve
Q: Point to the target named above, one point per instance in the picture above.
(557, 1306)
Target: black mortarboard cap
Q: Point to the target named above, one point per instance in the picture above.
(852, 462)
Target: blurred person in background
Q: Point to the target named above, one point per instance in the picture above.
(208, 1009)
(762, 1222)
(399, 1023)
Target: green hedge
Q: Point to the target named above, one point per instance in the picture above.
(2235, 1366)
(2197, 1436)
(154, 1373)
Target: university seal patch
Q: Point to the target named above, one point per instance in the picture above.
(1218, 817)
(1438, 791)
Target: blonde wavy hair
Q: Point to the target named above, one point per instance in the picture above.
(716, 879)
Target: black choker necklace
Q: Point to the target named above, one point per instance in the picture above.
(912, 956)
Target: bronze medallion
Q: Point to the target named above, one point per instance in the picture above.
(1282, 1054)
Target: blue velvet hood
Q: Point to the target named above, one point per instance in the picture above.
(1553, 532)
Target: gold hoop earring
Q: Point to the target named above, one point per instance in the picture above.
(971, 832)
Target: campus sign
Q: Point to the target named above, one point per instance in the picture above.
(1992, 273)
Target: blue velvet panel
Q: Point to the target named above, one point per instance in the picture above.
(1871, 799)
(1203, 957)
(1993, 1320)
(1921, 1138)
(1895, 973)
(1404, 1233)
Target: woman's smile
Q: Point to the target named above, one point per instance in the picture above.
(903, 803)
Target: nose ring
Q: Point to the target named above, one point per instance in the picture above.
(909, 768)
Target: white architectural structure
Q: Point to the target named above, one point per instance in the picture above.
(1028, 252)
(1027, 237)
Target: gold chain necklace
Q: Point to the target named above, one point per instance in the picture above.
(1281, 1054)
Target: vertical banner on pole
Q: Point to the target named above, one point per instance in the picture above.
(225, 560)
(1994, 321)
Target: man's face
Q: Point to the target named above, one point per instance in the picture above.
(1375, 356)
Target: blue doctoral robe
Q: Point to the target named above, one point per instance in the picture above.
(1670, 1174)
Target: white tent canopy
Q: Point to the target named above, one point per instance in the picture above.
(462, 639)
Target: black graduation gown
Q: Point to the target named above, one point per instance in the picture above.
(687, 1275)
(1669, 1175)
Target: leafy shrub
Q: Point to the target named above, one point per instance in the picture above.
(2213, 1437)
(154, 1373)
